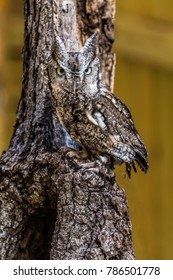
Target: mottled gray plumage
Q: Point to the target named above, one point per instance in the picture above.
(93, 116)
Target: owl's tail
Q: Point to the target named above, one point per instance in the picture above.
(125, 153)
(142, 161)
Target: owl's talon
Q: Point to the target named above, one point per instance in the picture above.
(94, 169)
(98, 167)
(89, 166)
(65, 150)
(72, 154)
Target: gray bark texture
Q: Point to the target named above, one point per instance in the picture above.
(51, 208)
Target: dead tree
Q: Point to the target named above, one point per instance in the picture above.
(50, 208)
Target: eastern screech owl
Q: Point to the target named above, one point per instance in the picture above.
(93, 116)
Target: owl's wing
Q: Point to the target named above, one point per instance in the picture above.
(114, 118)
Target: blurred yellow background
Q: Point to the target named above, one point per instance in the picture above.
(144, 81)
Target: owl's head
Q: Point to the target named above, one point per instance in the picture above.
(77, 73)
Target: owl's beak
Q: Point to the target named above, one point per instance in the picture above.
(76, 82)
(74, 86)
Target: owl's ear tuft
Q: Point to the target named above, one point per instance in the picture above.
(91, 46)
(58, 49)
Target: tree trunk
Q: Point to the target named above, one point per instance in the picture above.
(50, 208)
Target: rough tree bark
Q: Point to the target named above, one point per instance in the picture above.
(50, 208)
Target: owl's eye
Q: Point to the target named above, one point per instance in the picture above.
(88, 70)
(60, 71)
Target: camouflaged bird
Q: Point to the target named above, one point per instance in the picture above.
(93, 116)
